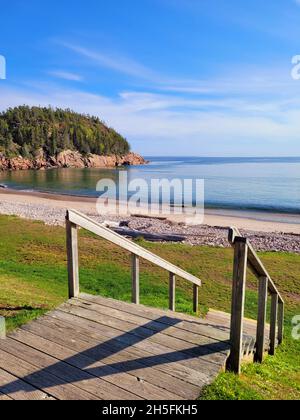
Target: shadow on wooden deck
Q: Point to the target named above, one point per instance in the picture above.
(57, 355)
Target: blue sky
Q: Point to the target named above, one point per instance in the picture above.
(176, 77)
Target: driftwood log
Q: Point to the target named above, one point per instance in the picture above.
(153, 237)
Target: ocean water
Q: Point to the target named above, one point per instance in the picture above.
(255, 184)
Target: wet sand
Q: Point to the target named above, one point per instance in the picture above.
(253, 221)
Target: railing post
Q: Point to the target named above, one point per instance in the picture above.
(72, 254)
(172, 292)
(195, 298)
(135, 272)
(261, 320)
(238, 304)
(280, 322)
(273, 323)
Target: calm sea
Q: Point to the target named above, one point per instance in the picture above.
(263, 184)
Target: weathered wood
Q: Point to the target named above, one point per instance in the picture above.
(43, 380)
(184, 321)
(135, 277)
(152, 237)
(103, 362)
(172, 292)
(261, 320)
(172, 337)
(176, 349)
(85, 356)
(273, 323)
(277, 306)
(85, 222)
(127, 347)
(104, 349)
(222, 319)
(65, 373)
(72, 254)
(195, 298)
(280, 322)
(19, 390)
(4, 397)
(238, 305)
(254, 261)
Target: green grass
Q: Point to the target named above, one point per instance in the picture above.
(278, 378)
(33, 280)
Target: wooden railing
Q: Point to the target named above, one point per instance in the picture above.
(75, 219)
(245, 256)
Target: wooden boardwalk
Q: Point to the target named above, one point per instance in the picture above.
(98, 348)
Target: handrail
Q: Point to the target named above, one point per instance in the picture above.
(254, 261)
(245, 256)
(76, 219)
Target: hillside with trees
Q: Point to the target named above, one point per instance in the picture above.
(26, 131)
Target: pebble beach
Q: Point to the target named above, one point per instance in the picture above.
(52, 209)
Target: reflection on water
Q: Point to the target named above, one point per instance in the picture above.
(64, 181)
(271, 184)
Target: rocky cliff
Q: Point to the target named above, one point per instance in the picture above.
(69, 159)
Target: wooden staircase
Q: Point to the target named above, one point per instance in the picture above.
(93, 347)
(222, 320)
(241, 344)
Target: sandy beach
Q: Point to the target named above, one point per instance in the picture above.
(268, 231)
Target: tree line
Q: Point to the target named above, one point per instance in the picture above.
(26, 130)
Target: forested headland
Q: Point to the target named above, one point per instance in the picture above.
(42, 138)
(25, 130)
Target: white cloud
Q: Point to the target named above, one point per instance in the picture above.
(65, 75)
(167, 124)
(243, 111)
(113, 62)
(236, 80)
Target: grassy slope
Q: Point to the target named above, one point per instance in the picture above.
(33, 279)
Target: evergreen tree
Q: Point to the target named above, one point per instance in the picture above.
(25, 130)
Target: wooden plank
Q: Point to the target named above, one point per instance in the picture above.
(183, 321)
(172, 292)
(106, 363)
(85, 356)
(4, 397)
(260, 270)
(17, 389)
(65, 373)
(238, 305)
(222, 321)
(41, 379)
(166, 317)
(172, 334)
(261, 320)
(207, 361)
(87, 223)
(195, 298)
(72, 254)
(135, 275)
(127, 347)
(273, 323)
(255, 263)
(209, 352)
(280, 322)
(153, 237)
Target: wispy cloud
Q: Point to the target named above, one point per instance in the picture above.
(246, 111)
(154, 122)
(115, 62)
(66, 75)
(236, 80)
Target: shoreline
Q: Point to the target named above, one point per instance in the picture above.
(258, 221)
(51, 209)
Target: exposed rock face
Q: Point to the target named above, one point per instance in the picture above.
(69, 159)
